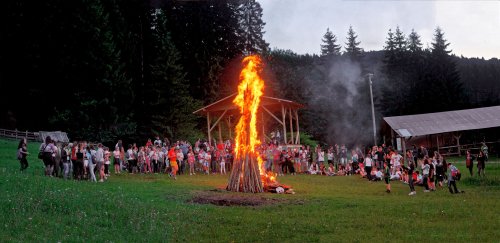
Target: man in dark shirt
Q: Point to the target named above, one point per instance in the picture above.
(380, 158)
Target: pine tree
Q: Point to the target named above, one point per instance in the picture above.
(104, 102)
(442, 78)
(414, 43)
(207, 33)
(252, 27)
(171, 102)
(390, 49)
(352, 48)
(329, 47)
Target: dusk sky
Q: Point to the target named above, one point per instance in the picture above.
(472, 27)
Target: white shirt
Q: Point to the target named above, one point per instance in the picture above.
(368, 161)
(99, 155)
(321, 156)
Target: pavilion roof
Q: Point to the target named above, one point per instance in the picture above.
(270, 103)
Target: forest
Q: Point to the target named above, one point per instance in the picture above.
(108, 69)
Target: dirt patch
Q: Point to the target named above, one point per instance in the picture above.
(222, 197)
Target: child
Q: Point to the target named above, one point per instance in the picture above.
(147, 161)
(191, 161)
(206, 162)
(223, 165)
(313, 170)
(172, 157)
(451, 179)
(387, 175)
(116, 161)
(107, 161)
(331, 169)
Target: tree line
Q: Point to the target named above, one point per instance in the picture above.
(103, 69)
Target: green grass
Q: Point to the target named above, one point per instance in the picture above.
(145, 208)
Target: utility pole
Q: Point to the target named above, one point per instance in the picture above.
(373, 110)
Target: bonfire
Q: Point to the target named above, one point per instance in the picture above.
(248, 174)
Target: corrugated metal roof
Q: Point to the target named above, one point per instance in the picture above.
(442, 122)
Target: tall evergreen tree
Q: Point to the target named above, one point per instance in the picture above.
(206, 33)
(414, 42)
(107, 98)
(252, 27)
(443, 80)
(395, 98)
(352, 48)
(329, 46)
(171, 103)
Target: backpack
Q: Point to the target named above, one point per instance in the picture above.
(456, 175)
(40, 153)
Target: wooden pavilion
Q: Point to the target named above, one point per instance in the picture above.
(226, 109)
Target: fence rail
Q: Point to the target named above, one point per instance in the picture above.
(15, 134)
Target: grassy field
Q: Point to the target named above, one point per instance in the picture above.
(153, 208)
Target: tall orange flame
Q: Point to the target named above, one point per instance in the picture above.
(247, 174)
(250, 90)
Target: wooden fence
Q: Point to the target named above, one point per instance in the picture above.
(454, 150)
(15, 134)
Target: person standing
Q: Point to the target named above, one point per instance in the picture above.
(116, 160)
(48, 148)
(452, 179)
(90, 155)
(411, 168)
(484, 149)
(368, 165)
(22, 153)
(469, 161)
(99, 157)
(387, 177)
(65, 160)
(172, 157)
(481, 158)
(191, 160)
(425, 174)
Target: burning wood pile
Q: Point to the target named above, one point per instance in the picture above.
(247, 174)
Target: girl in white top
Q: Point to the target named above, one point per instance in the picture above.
(314, 169)
(223, 164)
(180, 159)
(321, 156)
(107, 161)
(116, 157)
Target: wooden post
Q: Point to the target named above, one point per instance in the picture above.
(392, 137)
(230, 128)
(297, 140)
(291, 125)
(283, 115)
(208, 129)
(263, 127)
(403, 144)
(458, 143)
(437, 140)
(220, 132)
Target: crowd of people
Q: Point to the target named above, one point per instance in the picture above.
(93, 161)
